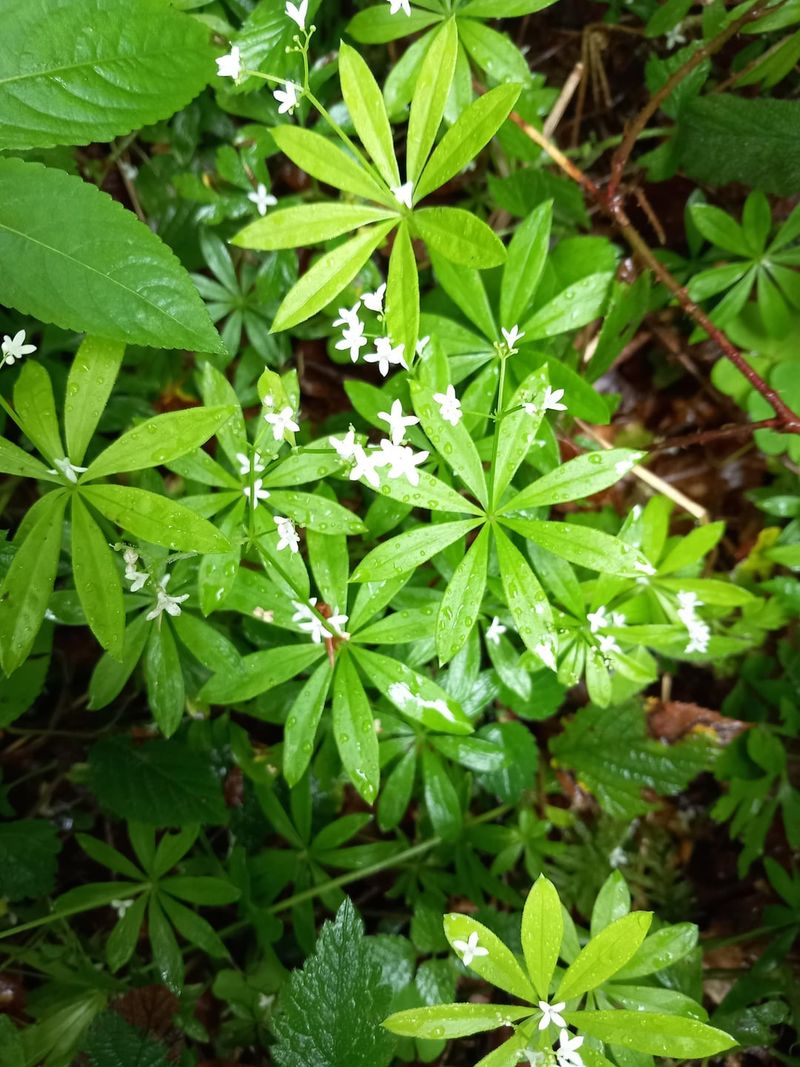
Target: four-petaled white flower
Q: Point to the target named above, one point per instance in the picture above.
(67, 469)
(607, 644)
(546, 655)
(397, 422)
(287, 534)
(297, 12)
(402, 461)
(387, 355)
(374, 301)
(121, 906)
(449, 406)
(349, 316)
(288, 98)
(643, 567)
(352, 341)
(137, 579)
(550, 1014)
(470, 949)
(512, 336)
(552, 400)
(165, 602)
(281, 422)
(365, 466)
(597, 620)
(262, 198)
(617, 618)
(337, 623)
(404, 193)
(400, 5)
(308, 621)
(13, 348)
(255, 494)
(247, 465)
(346, 445)
(495, 631)
(230, 66)
(567, 1054)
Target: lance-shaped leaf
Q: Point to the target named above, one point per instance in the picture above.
(97, 580)
(323, 160)
(466, 289)
(14, 460)
(430, 97)
(328, 276)
(316, 512)
(29, 582)
(108, 274)
(517, 431)
(604, 955)
(162, 670)
(441, 799)
(527, 600)
(60, 85)
(462, 599)
(310, 224)
(578, 304)
(414, 695)
(302, 722)
(527, 253)
(354, 730)
(377, 25)
(483, 952)
(402, 292)
(155, 518)
(36, 409)
(91, 379)
(459, 236)
(258, 672)
(652, 1033)
(454, 1020)
(430, 493)
(542, 931)
(409, 550)
(582, 545)
(365, 104)
(576, 480)
(453, 442)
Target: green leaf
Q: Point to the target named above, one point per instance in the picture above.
(517, 431)
(330, 563)
(691, 548)
(29, 582)
(542, 931)
(454, 1020)
(123, 939)
(317, 512)
(111, 674)
(492, 9)
(468, 135)
(578, 304)
(97, 580)
(194, 928)
(59, 86)
(409, 550)
(441, 799)
(159, 440)
(459, 236)
(167, 955)
(13, 460)
(91, 379)
(402, 292)
(589, 548)
(309, 224)
(155, 518)
(28, 851)
(526, 599)
(328, 276)
(527, 254)
(259, 672)
(576, 480)
(12, 1051)
(322, 159)
(604, 955)
(399, 627)
(108, 274)
(720, 229)
(462, 599)
(499, 966)
(466, 289)
(430, 96)
(652, 1033)
(377, 25)
(331, 1010)
(493, 52)
(302, 722)
(354, 730)
(431, 493)
(113, 1042)
(367, 110)
(164, 677)
(661, 949)
(161, 783)
(612, 902)
(453, 442)
(36, 409)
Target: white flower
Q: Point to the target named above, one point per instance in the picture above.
(699, 636)
(288, 98)
(689, 601)
(617, 857)
(247, 465)
(263, 614)
(567, 1052)
(165, 602)
(546, 655)
(617, 618)
(14, 348)
(255, 494)
(353, 340)
(400, 5)
(121, 906)
(138, 579)
(67, 469)
(550, 1014)
(287, 534)
(403, 194)
(495, 631)
(552, 400)
(421, 345)
(230, 66)
(309, 622)
(365, 466)
(261, 198)
(297, 12)
(511, 337)
(349, 317)
(281, 422)
(397, 422)
(643, 567)
(470, 949)
(374, 301)
(449, 406)
(346, 445)
(386, 355)
(402, 461)
(400, 693)
(608, 644)
(597, 619)
(338, 622)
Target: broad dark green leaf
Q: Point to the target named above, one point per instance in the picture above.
(113, 1042)
(156, 518)
(108, 274)
(28, 851)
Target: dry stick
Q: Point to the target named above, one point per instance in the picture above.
(564, 99)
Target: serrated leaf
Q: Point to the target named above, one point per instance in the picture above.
(113, 1042)
(108, 274)
(62, 86)
(155, 518)
(542, 931)
(28, 851)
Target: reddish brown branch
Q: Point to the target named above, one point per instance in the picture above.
(709, 437)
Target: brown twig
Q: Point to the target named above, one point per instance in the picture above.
(707, 437)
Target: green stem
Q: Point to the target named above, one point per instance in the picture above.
(501, 387)
(65, 913)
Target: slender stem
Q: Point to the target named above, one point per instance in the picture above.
(65, 913)
(501, 388)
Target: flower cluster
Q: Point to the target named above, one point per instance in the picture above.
(400, 460)
(313, 623)
(600, 619)
(699, 631)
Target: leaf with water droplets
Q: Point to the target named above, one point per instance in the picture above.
(652, 1033)
(91, 379)
(155, 518)
(578, 304)
(455, 1020)
(462, 598)
(605, 954)
(517, 431)
(354, 730)
(258, 672)
(542, 932)
(576, 480)
(497, 965)
(302, 722)
(453, 443)
(409, 550)
(97, 580)
(526, 599)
